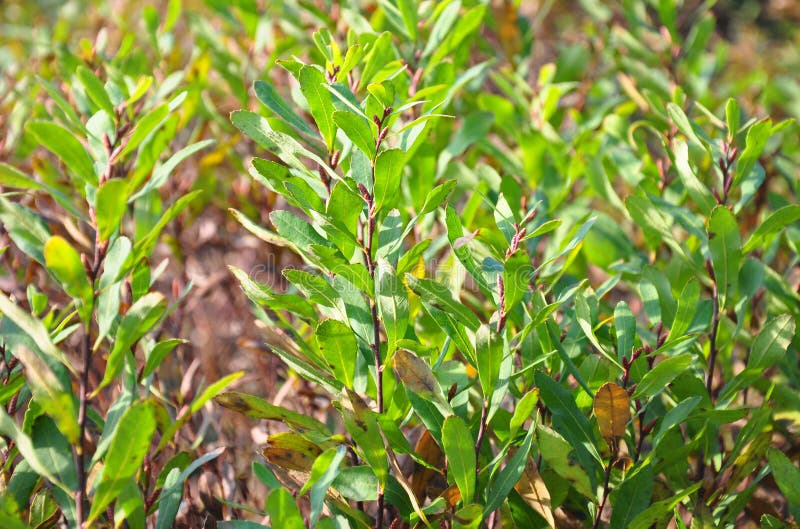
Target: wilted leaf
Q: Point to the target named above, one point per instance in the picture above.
(612, 407)
(291, 451)
(533, 490)
(257, 408)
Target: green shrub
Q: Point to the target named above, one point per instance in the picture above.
(557, 293)
(87, 450)
(486, 261)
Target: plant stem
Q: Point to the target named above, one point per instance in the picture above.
(481, 434)
(376, 329)
(712, 346)
(80, 450)
(606, 490)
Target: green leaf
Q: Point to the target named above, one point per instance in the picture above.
(674, 417)
(724, 245)
(69, 112)
(647, 218)
(144, 246)
(555, 451)
(36, 330)
(10, 176)
(756, 140)
(657, 378)
(337, 345)
(163, 171)
(112, 201)
(320, 102)
(684, 124)
(687, 308)
(362, 425)
(460, 245)
(436, 197)
(357, 129)
(270, 97)
(240, 524)
(732, 117)
(138, 321)
(775, 223)
(283, 510)
(26, 229)
(632, 496)
(467, 24)
(499, 488)
(770, 522)
(284, 146)
(315, 288)
(299, 232)
(489, 350)
(65, 264)
(169, 500)
(388, 169)
(54, 450)
(130, 507)
(130, 444)
(625, 330)
(157, 355)
(95, 90)
(408, 11)
(380, 54)
(771, 343)
(459, 448)
(517, 276)
(523, 411)
(697, 190)
(661, 509)
(439, 297)
(172, 492)
(323, 473)
(448, 14)
(786, 475)
(213, 390)
(26, 448)
(257, 408)
(357, 483)
(569, 422)
(392, 299)
(63, 144)
(50, 391)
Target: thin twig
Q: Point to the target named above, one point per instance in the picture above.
(481, 434)
(712, 346)
(606, 491)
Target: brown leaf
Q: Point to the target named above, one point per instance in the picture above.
(533, 490)
(430, 452)
(612, 407)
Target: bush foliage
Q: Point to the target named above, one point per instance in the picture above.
(536, 283)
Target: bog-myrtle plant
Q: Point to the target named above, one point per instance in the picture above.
(523, 293)
(621, 353)
(84, 422)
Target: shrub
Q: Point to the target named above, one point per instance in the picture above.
(92, 450)
(524, 302)
(530, 292)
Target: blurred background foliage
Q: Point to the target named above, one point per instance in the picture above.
(216, 49)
